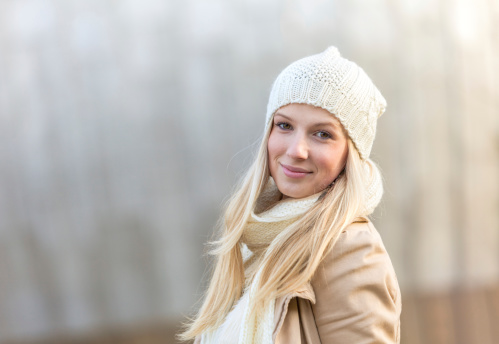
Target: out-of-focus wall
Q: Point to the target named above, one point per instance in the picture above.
(125, 124)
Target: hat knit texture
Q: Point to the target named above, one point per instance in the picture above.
(331, 82)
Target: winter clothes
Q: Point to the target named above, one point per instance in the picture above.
(353, 297)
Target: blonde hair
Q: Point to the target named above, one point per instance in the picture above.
(293, 257)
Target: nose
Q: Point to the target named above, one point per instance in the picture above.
(298, 148)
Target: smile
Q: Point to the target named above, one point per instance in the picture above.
(294, 172)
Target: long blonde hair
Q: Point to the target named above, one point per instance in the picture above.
(292, 258)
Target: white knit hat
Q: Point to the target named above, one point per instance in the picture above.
(331, 82)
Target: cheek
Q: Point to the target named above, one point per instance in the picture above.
(344, 157)
(334, 161)
(273, 146)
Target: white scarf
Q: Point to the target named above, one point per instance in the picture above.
(270, 217)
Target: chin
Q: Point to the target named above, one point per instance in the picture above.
(293, 192)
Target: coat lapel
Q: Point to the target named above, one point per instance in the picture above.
(282, 303)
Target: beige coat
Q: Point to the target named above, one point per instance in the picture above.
(353, 298)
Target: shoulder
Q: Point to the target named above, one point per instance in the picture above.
(357, 293)
(359, 234)
(358, 253)
(357, 244)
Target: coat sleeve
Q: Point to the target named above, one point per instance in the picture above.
(357, 294)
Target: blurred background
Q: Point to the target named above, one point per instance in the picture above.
(124, 125)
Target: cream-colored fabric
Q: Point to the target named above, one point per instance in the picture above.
(229, 331)
(374, 187)
(331, 82)
(270, 217)
(239, 327)
(259, 327)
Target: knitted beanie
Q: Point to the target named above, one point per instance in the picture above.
(331, 82)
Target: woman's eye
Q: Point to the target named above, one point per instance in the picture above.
(283, 125)
(323, 135)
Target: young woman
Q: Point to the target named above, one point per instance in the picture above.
(298, 260)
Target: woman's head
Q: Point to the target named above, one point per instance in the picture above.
(316, 105)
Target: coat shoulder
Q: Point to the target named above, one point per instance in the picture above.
(358, 250)
(361, 237)
(357, 292)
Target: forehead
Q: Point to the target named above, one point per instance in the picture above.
(308, 114)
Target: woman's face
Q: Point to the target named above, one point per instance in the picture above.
(307, 149)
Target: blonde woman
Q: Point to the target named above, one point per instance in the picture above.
(298, 260)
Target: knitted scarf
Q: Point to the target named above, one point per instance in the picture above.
(270, 217)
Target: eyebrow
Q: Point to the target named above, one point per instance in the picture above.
(320, 124)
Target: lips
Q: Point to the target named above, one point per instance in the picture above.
(294, 172)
